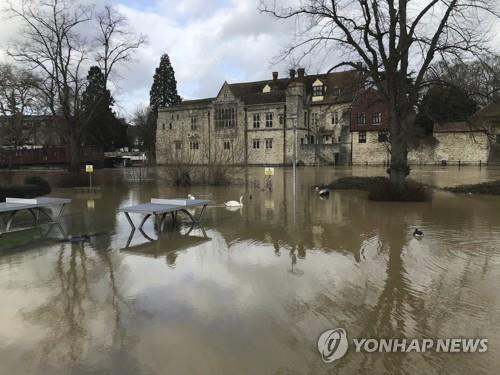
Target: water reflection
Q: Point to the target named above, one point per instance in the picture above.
(267, 278)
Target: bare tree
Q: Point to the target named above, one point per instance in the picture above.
(117, 42)
(223, 156)
(19, 97)
(479, 78)
(212, 160)
(54, 46)
(397, 41)
(144, 130)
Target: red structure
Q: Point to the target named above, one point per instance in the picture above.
(369, 112)
(51, 155)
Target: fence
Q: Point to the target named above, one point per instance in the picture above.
(442, 163)
(52, 155)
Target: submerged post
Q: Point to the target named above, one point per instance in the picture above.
(89, 168)
(294, 156)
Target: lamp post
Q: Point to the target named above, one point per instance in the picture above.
(294, 160)
(294, 169)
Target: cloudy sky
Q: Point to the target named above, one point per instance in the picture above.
(208, 41)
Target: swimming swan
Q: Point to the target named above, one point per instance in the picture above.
(235, 203)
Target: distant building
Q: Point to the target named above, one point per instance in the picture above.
(337, 122)
(38, 140)
(489, 118)
(451, 143)
(33, 131)
(253, 123)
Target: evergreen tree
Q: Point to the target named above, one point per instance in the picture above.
(102, 127)
(163, 92)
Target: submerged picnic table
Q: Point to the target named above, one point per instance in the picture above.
(36, 207)
(159, 208)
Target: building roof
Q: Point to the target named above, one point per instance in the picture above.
(455, 127)
(187, 103)
(251, 92)
(346, 81)
(490, 111)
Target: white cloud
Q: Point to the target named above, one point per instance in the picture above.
(208, 43)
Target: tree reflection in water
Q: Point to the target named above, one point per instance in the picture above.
(293, 258)
(81, 305)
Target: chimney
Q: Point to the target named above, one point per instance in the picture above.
(301, 72)
(292, 73)
(275, 76)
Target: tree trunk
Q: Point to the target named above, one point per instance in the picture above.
(75, 152)
(399, 152)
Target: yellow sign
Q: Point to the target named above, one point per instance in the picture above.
(269, 171)
(89, 168)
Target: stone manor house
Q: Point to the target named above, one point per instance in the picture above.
(336, 122)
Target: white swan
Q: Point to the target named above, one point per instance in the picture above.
(235, 203)
(191, 197)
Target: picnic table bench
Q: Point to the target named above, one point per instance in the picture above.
(36, 207)
(159, 208)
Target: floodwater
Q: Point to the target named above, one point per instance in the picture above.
(251, 291)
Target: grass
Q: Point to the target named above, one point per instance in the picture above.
(380, 189)
(15, 240)
(492, 188)
(355, 183)
(413, 192)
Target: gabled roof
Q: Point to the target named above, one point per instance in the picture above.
(251, 92)
(454, 127)
(347, 81)
(188, 103)
(490, 111)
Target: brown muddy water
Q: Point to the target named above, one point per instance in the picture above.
(251, 291)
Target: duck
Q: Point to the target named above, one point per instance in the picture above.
(323, 192)
(191, 196)
(235, 203)
(418, 234)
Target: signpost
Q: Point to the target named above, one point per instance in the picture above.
(89, 168)
(269, 173)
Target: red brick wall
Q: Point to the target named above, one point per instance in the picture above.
(368, 103)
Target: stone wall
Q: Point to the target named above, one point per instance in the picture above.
(463, 147)
(174, 125)
(275, 134)
(453, 147)
(371, 152)
(321, 154)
